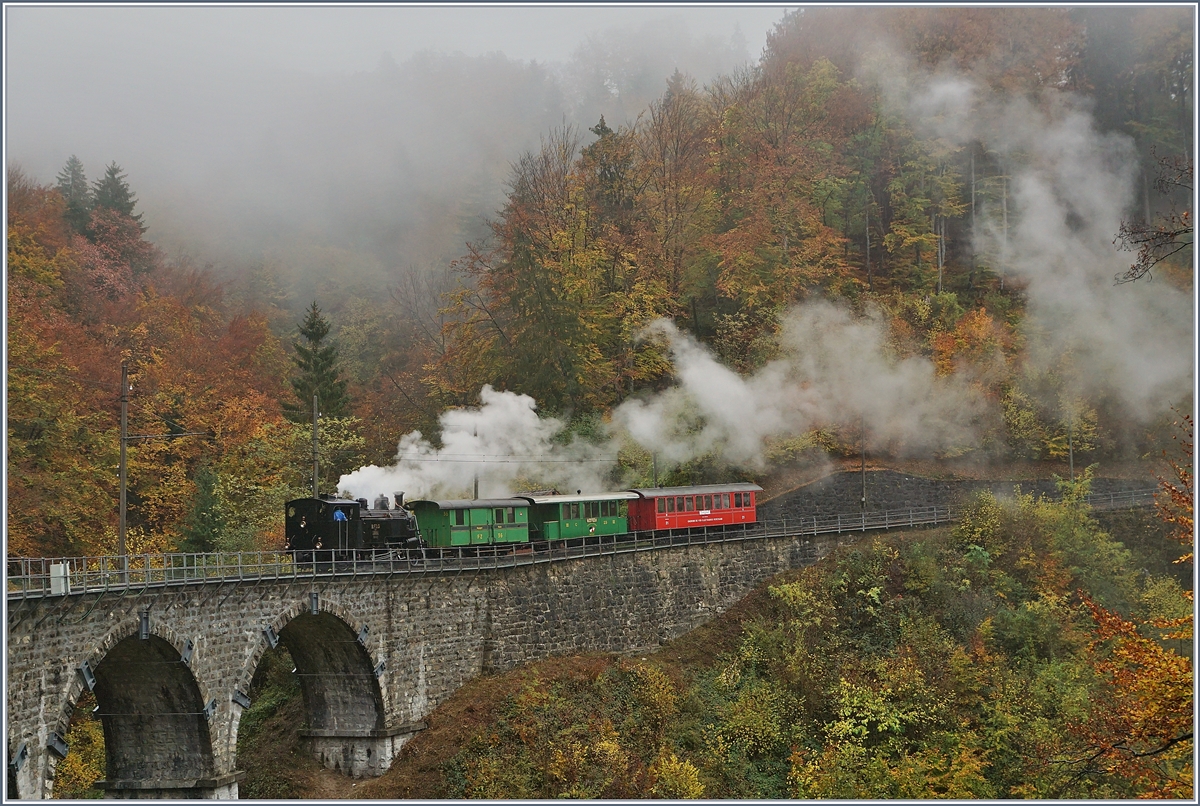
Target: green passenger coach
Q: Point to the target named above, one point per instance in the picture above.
(563, 517)
(446, 524)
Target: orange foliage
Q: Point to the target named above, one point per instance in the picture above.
(976, 339)
(1146, 736)
(1175, 499)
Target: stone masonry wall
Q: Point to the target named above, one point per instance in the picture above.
(840, 493)
(433, 633)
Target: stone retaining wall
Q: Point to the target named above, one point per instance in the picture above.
(840, 493)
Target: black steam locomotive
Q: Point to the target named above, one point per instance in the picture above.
(329, 528)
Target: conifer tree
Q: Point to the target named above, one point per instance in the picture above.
(113, 192)
(204, 525)
(317, 362)
(73, 185)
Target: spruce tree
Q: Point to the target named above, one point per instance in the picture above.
(317, 362)
(204, 526)
(73, 185)
(113, 193)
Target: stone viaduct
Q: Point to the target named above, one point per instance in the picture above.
(170, 662)
(170, 666)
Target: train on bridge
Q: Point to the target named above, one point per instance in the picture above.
(342, 528)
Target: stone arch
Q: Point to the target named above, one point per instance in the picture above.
(151, 707)
(346, 707)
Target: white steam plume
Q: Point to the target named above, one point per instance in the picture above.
(501, 443)
(1070, 187)
(835, 370)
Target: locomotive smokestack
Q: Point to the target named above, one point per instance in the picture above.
(399, 499)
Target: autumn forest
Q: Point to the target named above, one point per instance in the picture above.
(953, 235)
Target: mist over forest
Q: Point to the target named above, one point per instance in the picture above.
(335, 166)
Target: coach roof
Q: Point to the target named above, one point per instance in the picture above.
(579, 498)
(705, 489)
(481, 503)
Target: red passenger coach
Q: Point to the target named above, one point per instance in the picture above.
(691, 507)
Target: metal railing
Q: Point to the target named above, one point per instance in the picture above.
(42, 576)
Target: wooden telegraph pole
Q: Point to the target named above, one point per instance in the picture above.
(121, 552)
(315, 455)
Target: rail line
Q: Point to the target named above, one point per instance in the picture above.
(42, 576)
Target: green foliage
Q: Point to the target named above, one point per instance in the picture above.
(111, 192)
(602, 737)
(73, 185)
(204, 528)
(318, 365)
(945, 664)
(273, 691)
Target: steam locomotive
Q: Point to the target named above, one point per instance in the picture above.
(328, 528)
(338, 528)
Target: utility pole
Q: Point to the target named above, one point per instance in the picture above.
(121, 551)
(475, 484)
(315, 455)
(867, 233)
(862, 444)
(974, 233)
(1071, 446)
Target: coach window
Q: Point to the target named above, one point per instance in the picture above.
(724, 500)
(687, 503)
(662, 505)
(670, 505)
(460, 517)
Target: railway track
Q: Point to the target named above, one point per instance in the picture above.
(42, 576)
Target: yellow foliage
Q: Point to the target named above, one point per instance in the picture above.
(675, 779)
(84, 765)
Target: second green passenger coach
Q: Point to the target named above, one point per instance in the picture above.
(563, 517)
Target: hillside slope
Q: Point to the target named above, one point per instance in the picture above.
(952, 662)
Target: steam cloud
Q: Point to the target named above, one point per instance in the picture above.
(1069, 188)
(501, 443)
(834, 370)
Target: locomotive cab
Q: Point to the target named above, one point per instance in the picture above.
(322, 524)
